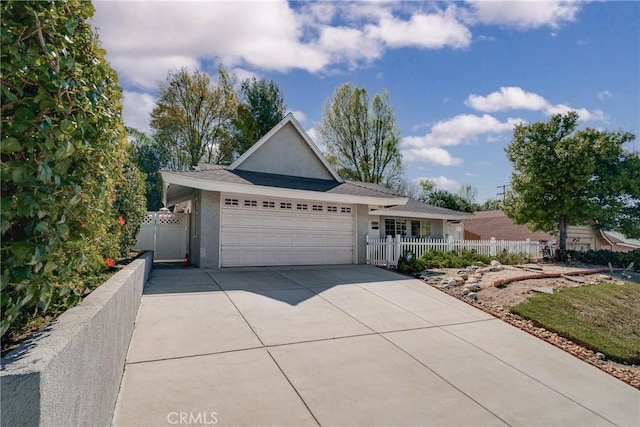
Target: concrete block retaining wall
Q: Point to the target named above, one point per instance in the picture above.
(70, 373)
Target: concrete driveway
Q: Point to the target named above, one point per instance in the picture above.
(342, 346)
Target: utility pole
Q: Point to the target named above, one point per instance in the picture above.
(503, 193)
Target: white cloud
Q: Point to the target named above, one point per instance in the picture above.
(460, 129)
(523, 14)
(485, 38)
(508, 98)
(451, 132)
(605, 94)
(515, 98)
(441, 182)
(428, 31)
(348, 45)
(268, 35)
(300, 115)
(436, 155)
(586, 115)
(313, 134)
(136, 109)
(242, 74)
(144, 39)
(147, 72)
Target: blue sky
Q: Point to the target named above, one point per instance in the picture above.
(460, 74)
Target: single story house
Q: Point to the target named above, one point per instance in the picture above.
(487, 224)
(484, 225)
(281, 203)
(587, 237)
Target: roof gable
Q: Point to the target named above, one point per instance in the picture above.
(286, 150)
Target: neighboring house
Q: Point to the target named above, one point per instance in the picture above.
(487, 224)
(281, 203)
(586, 237)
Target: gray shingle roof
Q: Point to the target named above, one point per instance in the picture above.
(417, 206)
(221, 174)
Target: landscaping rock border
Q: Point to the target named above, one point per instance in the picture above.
(70, 372)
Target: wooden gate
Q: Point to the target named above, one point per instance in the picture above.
(165, 233)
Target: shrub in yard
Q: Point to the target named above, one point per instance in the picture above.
(465, 257)
(408, 263)
(454, 259)
(604, 257)
(507, 258)
(67, 186)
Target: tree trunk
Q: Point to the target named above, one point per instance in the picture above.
(562, 232)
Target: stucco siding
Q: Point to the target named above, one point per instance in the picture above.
(361, 231)
(438, 229)
(286, 153)
(581, 237)
(195, 227)
(210, 230)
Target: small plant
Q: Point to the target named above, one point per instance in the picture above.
(507, 258)
(409, 263)
(626, 271)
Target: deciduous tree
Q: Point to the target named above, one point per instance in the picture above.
(192, 118)
(564, 176)
(463, 200)
(362, 137)
(145, 154)
(491, 205)
(261, 107)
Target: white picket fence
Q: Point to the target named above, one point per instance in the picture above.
(386, 252)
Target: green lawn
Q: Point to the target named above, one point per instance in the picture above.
(603, 317)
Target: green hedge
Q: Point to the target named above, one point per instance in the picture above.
(70, 195)
(606, 257)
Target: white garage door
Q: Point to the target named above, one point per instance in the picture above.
(262, 232)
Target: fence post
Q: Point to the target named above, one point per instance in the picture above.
(388, 247)
(450, 242)
(397, 249)
(492, 247)
(368, 249)
(528, 245)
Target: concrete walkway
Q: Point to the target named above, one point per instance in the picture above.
(343, 346)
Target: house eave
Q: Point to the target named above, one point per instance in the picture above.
(170, 178)
(420, 215)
